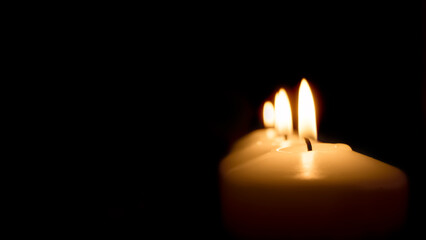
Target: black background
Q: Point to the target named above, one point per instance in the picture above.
(172, 87)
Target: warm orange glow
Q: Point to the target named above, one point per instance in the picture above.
(308, 165)
(307, 118)
(268, 114)
(283, 118)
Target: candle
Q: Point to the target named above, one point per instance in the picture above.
(305, 189)
(266, 137)
(264, 140)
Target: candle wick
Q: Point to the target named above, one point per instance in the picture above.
(285, 137)
(308, 144)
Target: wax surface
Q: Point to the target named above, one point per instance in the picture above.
(256, 144)
(331, 192)
(315, 167)
(265, 136)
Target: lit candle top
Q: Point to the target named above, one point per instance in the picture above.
(279, 185)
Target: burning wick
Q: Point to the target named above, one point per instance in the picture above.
(308, 144)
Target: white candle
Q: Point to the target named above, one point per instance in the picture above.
(264, 140)
(330, 192)
(278, 117)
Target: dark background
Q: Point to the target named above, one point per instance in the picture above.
(172, 87)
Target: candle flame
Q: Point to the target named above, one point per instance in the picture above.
(268, 114)
(283, 117)
(307, 121)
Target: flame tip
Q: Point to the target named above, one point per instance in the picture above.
(306, 112)
(268, 114)
(283, 117)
